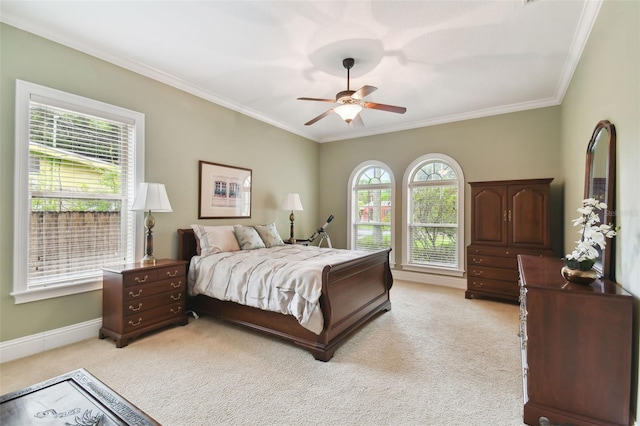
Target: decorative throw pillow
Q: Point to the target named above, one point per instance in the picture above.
(248, 237)
(215, 239)
(269, 235)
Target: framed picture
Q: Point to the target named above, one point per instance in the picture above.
(225, 191)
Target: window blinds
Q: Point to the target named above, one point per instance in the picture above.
(80, 179)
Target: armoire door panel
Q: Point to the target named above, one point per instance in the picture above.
(528, 215)
(489, 224)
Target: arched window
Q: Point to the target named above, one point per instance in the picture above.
(433, 219)
(371, 206)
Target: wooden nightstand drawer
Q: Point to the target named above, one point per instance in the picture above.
(176, 271)
(142, 305)
(140, 298)
(141, 277)
(145, 290)
(140, 321)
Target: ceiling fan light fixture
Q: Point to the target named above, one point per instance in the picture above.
(348, 111)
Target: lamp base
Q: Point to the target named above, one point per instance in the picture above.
(148, 260)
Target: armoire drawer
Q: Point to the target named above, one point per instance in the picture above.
(494, 273)
(493, 261)
(493, 286)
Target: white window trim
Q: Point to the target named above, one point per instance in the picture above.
(351, 211)
(457, 271)
(24, 92)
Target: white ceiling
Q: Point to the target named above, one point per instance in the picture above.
(443, 60)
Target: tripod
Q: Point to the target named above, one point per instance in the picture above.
(325, 236)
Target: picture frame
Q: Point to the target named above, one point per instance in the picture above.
(224, 191)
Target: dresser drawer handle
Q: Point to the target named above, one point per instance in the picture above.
(176, 298)
(135, 324)
(135, 295)
(477, 273)
(172, 275)
(136, 309)
(176, 285)
(176, 311)
(477, 284)
(137, 279)
(477, 260)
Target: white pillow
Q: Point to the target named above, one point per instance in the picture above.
(215, 239)
(269, 235)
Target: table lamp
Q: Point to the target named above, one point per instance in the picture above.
(292, 203)
(150, 197)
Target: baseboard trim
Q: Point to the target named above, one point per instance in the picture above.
(432, 279)
(41, 342)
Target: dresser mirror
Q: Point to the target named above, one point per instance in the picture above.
(600, 176)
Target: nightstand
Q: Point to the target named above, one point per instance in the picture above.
(140, 298)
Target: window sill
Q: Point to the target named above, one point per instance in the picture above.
(26, 296)
(453, 272)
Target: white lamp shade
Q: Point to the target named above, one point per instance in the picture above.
(348, 111)
(152, 197)
(292, 202)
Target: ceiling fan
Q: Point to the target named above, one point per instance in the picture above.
(351, 103)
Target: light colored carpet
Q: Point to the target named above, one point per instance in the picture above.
(434, 359)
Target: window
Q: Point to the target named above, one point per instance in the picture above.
(433, 219)
(371, 207)
(77, 163)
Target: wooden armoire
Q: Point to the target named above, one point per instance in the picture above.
(508, 218)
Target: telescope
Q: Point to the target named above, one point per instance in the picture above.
(322, 232)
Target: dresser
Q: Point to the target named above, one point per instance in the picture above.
(576, 345)
(140, 298)
(507, 218)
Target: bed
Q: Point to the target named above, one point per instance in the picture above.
(352, 293)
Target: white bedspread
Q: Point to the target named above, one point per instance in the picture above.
(285, 279)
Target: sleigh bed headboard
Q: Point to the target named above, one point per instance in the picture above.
(186, 244)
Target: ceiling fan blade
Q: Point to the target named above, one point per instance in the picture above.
(363, 91)
(383, 107)
(318, 118)
(357, 121)
(316, 99)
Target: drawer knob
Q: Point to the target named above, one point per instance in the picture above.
(135, 323)
(176, 311)
(136, 294)
(477, 284)
(477, 260)
(134, 309)
(478, 273)
(137, 279)
(176, 285)
(172, 274)
(176, 298)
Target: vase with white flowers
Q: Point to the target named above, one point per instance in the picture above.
(593, 234)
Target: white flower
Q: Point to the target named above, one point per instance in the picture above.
(593, 234)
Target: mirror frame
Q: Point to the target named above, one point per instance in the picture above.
(604, 264)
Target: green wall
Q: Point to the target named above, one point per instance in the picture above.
(181, 129)
(606, 86)
(520, 145)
